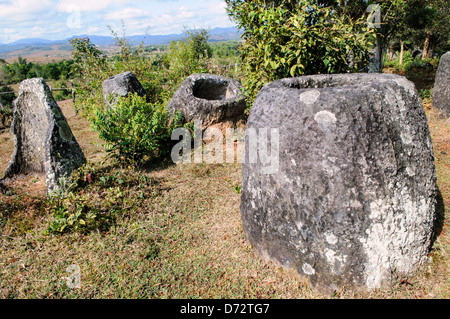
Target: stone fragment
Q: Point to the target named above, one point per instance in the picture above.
(43, 140)
(441, 90)
(352, 202)
(209, 98)
(121, 85)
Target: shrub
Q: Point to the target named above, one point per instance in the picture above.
(135, 130)
(287, 40)
(426, 95)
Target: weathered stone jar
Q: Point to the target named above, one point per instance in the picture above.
(441, 90)
(43, 140)
(352, 203)
(121, 85)
(209, 98)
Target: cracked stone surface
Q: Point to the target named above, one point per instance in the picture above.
(43, 140)
(441, 90)
(209, 98)
(352, 203)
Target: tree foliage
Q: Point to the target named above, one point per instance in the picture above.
(297, 37)
(22, 69)
(188, 56)
(427, 24)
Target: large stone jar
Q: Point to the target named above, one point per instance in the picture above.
(210, 99)
(352, 201)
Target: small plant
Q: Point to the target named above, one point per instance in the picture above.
(94, 198)
(6, 114)
(235, 185)
(135, 131)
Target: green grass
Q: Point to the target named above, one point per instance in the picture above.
(182, 241)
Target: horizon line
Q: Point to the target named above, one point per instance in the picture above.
(112, 36)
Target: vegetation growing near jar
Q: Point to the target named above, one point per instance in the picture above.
(135, 130)
(283, 39)
(94, 197)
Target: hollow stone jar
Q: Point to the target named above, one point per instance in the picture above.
(352, 203)
(209, 98)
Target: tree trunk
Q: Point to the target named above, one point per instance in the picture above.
(402, 49)
(426, 46)
(390, 52)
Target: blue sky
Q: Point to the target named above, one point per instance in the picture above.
(60, 19)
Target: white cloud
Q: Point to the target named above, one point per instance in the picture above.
(127, 13)
(217, 8)
(19, 10)
(172, 21)
(92, 30)
(88, 5)
(59, 19)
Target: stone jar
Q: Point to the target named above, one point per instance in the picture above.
(43, 140)
(441, 90)
(121, 85)
(209, 98)
(352, 201)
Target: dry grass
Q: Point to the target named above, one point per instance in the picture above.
(178, 236)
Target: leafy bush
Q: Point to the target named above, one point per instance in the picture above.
(426, 95)
(285, 40)
(395, 63)
(6, 99)
(135, 130)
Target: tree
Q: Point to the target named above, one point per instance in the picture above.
(434, 26)
(298, 37)
(89, 67)
(422, 24)
(188, 56)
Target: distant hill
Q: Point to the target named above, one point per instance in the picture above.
(37, 44)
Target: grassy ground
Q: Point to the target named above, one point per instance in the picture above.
(168, 231)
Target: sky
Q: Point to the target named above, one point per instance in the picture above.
(61, 19)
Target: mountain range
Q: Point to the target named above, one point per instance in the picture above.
(216, 34)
